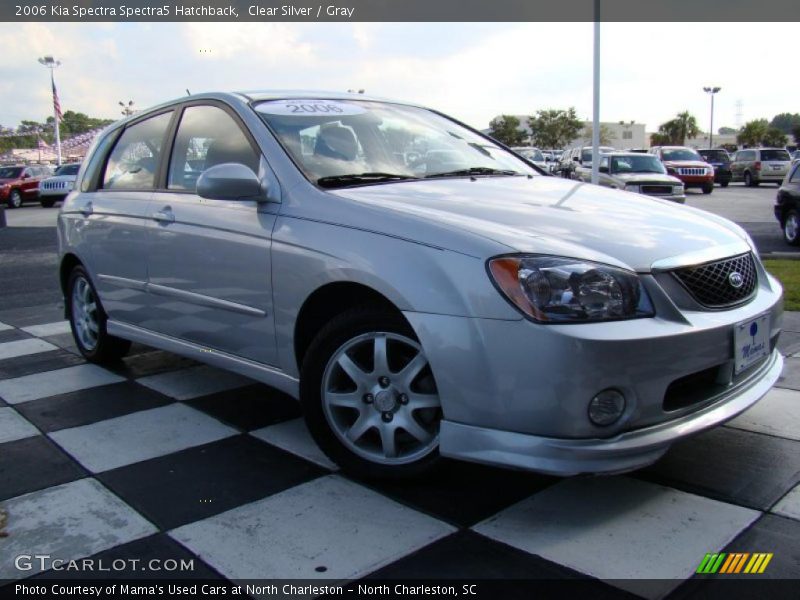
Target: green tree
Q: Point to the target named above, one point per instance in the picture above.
(506, 129)
(786, 122)
(675, 131)
(753, 132)
(775, 138)
(607, 136)
(554, 128)
(726, 131)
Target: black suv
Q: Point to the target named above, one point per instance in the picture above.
(721, 161)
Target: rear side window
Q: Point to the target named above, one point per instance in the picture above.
(207, 136)
(775, 155)
(134, 159)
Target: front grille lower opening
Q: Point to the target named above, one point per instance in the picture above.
(692, 389)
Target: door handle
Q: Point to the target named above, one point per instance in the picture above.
(164, 215)
(87, 209)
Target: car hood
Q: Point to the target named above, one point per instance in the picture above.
(648, 177)
(8, 180)
(61, 178)
(550, 215)
(685, 163)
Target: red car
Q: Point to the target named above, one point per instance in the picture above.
(21, 183)
(687, 165)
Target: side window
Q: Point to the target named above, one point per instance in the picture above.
(795, 178)
(134, 159)
(207, 136)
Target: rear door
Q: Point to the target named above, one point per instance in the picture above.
(116, 215)
(209, 260)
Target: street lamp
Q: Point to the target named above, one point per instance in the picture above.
(52, 64)
(712, 91)
(127, 109)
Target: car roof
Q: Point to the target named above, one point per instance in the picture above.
(625, 153)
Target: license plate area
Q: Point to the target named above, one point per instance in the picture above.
(750, 342)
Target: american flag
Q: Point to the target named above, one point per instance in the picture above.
(56, 103)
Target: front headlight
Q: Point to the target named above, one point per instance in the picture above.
(632, 187)
(678, 190)
(551, 289)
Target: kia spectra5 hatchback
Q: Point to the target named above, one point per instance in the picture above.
(423, 291)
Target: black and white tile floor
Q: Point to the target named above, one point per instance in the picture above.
(164, 458)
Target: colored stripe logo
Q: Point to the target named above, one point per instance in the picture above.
(735, 562)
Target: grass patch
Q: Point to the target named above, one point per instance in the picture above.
(788, 273)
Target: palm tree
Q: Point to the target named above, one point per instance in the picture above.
(685, 126)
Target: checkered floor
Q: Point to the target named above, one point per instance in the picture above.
(165, 458)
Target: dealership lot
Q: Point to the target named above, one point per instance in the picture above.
(164, 458)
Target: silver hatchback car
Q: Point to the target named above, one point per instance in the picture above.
(421, 290)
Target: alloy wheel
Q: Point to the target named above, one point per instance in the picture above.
(791, 228)
(84, 313)
(380, 399)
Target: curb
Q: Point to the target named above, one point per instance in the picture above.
(782, 255)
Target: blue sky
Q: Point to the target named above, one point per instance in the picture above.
(472, 71)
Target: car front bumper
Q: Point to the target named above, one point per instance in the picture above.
(517, 393)
(624, 452)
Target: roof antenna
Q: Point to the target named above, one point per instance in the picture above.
(188, 93)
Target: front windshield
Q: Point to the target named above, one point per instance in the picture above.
(10, 172)
(533, 155)
(680, 154)
(352, 142)
(586, 153)
(715, 155)
(67, 170)
(641, 163)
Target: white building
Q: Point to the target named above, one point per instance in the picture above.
(621, 134)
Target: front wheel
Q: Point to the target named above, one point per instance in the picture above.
(369, 396)
(724, 184)
(88, 321)
(749, 181)
(708, 188)
(791, 228)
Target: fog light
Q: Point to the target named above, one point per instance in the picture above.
(607, 407)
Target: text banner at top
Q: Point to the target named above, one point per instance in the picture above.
(401, 10)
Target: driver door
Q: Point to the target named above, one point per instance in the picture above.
(209, 263)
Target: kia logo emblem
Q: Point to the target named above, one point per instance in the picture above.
(736, 280)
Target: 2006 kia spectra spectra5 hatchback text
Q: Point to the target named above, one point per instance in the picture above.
(422, 290)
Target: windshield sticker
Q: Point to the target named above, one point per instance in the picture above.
(310, 108)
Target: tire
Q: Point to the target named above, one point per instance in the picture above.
(47, 203)
(367, 416)
(791, 228)
(724, 183)
(749, 181)
(87, 320)
(14, 199)
(708, 188)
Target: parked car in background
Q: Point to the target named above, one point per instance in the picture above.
(54, 189)
(485, 312)
(638, 173)
(20, 184)
(721, 161)
(578, 158)
(760, 165)
(534, 155)
(687, 165)
(787, 206)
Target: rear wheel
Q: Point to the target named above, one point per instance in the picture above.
(791, 228)
(724, 184)
(88, 321)
(14, 199)
(369, 396)
(47, 203)
(748, 180)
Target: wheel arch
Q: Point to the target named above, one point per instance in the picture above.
(328, 301)
(68, 262)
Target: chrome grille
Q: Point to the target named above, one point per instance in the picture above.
(692, 170)
(711, 283)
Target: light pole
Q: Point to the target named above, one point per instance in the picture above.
(712, 91)
(127, 109)
(51, 63)
(596, 97)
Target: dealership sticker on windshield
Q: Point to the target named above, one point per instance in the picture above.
(310, 108)
(750, 342)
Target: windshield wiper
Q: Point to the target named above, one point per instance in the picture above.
(474, 171)
(353, 178)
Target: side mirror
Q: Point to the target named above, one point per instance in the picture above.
(231, 181)
(604, 169)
